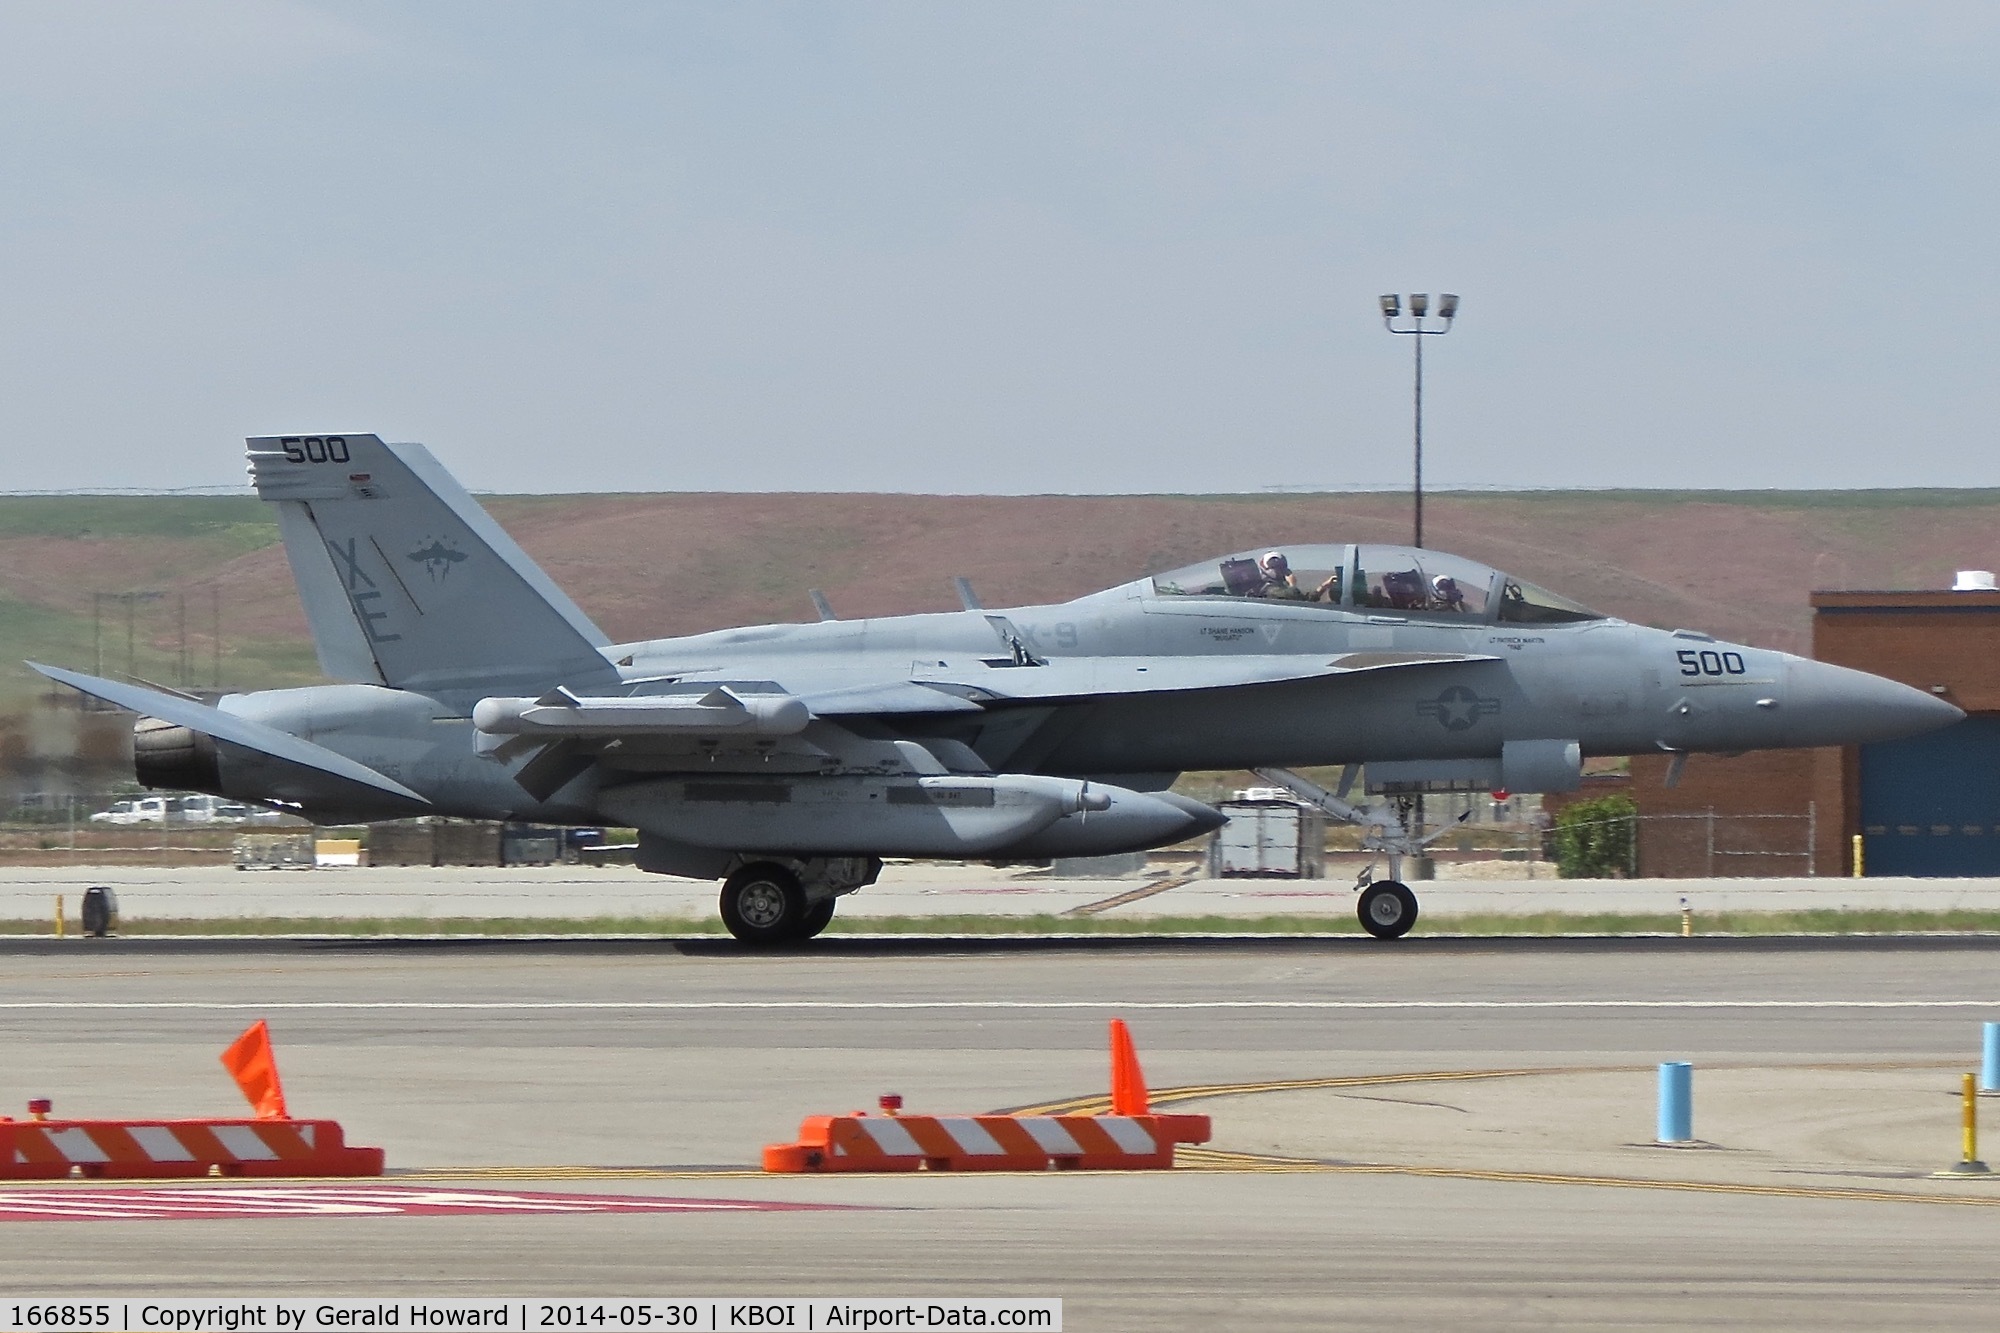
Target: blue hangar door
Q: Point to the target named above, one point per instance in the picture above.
(1931, 805)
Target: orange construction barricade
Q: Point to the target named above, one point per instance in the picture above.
(1130, 1138)
(273, 1144)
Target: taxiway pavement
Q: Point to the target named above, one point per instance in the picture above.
(912, 890)
(656, 1068)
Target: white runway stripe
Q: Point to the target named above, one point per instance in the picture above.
(724, 1006)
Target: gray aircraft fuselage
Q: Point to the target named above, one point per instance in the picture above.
(1612, 687)
(792, 758)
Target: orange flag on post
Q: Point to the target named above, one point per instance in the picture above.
(250, 1062)
(1128, 1083)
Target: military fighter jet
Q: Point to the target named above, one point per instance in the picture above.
(787, 760)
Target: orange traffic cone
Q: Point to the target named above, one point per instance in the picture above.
(250, 1062)
(1128, 1083)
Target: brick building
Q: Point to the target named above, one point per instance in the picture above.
(1925, 806)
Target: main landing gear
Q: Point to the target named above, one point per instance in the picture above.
(1387, 908)
(765, 903)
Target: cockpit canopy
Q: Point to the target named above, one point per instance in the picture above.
(1399, 579)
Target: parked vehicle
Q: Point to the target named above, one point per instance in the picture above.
(212, 810)
(138, 810)
(192, 809)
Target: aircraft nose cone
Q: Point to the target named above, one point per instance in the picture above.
(1835, 705)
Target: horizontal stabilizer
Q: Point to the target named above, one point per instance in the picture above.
(228, 727)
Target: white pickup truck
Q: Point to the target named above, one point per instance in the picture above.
(193, 809)
(138, 810)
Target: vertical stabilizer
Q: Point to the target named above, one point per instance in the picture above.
(407, 581)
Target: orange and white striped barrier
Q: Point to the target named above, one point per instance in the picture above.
(272, 1144)
(1130, 1138)
(43, 1149)
(889, 1142)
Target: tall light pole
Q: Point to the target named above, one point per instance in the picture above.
(1419, 329)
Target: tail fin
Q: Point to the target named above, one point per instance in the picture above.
(407, 581)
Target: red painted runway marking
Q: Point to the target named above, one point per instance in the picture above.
(170, 1204)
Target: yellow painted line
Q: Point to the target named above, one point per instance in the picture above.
(1139, 894)
(579, 1173)
(1193, 1160)
(1200, 1159)
(1219, 1160)
(1100, 1103)
(1982, 1200)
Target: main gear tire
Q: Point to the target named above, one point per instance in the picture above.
(817, 917)
(1387, 909)
(762, 904)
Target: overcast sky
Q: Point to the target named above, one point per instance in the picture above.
(1005, 246)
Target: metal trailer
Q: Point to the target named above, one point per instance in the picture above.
(275, 851)
(1268, 838)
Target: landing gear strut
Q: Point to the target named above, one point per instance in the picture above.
(1387, 907)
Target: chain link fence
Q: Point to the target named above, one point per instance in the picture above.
(1710, 845)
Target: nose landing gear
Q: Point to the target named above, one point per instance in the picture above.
(1387, 908)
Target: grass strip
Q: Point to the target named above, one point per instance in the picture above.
(1811, 922)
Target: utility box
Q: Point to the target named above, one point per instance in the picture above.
(100, 911)
(329, 852)
(530, 845)
(1272, 838)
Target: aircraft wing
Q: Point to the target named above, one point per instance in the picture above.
(1090, 677)
(236, 730)
(563, 730)
(945, 686)
(714, 704)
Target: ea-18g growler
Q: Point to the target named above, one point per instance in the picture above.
(787, 760)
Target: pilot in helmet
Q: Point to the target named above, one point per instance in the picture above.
(1445, 594)
(1278, 580)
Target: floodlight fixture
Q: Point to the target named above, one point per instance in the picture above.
(1420, 304)
(1392, 306)
(1448, 305)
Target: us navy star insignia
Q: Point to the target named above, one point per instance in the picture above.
(1458, 708)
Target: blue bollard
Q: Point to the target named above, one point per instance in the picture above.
(1676, 1102)
(1989, 1067)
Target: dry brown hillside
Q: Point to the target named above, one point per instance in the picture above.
(1736, 564)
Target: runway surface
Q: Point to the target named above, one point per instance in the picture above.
(642, 1069)
(916, 890)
